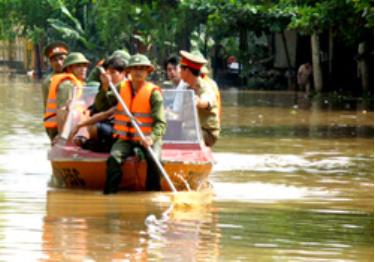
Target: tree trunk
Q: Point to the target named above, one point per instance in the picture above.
(290, 74)
(205, 42)
(330, 52)
(243, 49)
(10, 52)
(363, 68)
(317, 69)
(38, 62)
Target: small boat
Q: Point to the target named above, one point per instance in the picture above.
(185, 158)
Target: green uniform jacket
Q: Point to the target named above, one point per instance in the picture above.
(208, 117)
(94, 75)
(104, 100)
(65, 93)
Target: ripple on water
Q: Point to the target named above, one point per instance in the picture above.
(266, 192)
(281, 163)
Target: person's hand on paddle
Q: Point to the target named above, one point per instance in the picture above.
(147, 141)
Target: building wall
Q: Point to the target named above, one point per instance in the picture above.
(280, 55)
(16, 55)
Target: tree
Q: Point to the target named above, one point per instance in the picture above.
(347, 21)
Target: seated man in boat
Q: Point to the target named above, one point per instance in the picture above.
(56, 53)
(62, 89)
(100, 123)
(103, 100)
(205, 98)
(144, 100)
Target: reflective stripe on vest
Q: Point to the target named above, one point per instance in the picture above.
(139, 106)
(50, 114)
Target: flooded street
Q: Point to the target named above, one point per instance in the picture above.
(293, 181)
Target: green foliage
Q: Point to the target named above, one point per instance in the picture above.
(159, 28)
(69, 27)
(349, 19)
(23, 18)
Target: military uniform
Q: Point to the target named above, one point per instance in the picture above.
(125, 146)
(94, 75)
(53, 49)
(66, 88)
(103, 102)
(61, 91)
(50, 51)
(208, 117)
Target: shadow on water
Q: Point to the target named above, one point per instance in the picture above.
(293, 180)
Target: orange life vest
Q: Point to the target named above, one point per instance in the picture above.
(216, 90)
(139, 106)
(50, 115)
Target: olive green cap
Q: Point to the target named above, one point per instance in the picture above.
(121, 53)
(140, 60)
(55, 48)
(75, 58)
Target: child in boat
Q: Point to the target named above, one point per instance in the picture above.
(145, 101)
(100, 124)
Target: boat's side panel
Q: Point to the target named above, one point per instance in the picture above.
(91, 175)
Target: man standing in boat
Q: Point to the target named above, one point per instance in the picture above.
(205, 98)
(214, 87)
(144, 100)
(61, 91)
(212, 83)
(56, 53)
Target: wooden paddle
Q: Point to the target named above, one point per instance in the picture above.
(140, 133)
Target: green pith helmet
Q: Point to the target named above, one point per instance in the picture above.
(121, 53)
(75, 58)
(140, 60)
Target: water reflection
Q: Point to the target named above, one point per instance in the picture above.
(134, 226)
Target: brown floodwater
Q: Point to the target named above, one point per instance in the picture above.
(293, 181)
